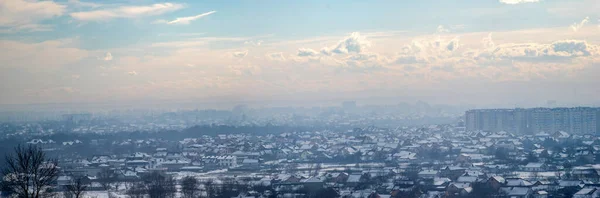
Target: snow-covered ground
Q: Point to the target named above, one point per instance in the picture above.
(96, 194)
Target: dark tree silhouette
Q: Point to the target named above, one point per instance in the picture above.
(229, 188)
(261, 188)
(530, 158)
(209, 188)
(138, 190)
(326, 192)
(106, 177)
(76, 188)
(566, 192)
(501, 154)
(482, 189)
(189, 187)
(28, 172)
(159, 185)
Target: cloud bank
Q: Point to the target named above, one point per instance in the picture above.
(126, 12)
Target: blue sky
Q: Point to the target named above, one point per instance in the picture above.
(467, 51)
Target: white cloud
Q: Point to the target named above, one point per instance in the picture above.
(453, 45)
(78, 3)
(355, 43)
(27, 28)
(443, 57)
(365, 62)
(536, 51)
(441, 29)
(427, 50)
(576, 26)
(571, 48)
(349, 55)
(307, 52)
(200, 41)
(22, 15)
(515, 50)
(278, 56)
(512, 2)
(126, 12)
(247, 70)
(399, 61)
(187, 20)
(108, 56)
(40, 56)
(240, 54)
(488, 42)
(253, 43)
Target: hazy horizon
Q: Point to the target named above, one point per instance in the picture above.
(505, 53)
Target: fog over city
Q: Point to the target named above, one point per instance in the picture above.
(311, 98)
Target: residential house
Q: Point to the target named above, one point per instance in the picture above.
(587, 193)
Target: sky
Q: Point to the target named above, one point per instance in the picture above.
(482, 52)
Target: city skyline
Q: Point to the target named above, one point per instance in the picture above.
(578, 120)
(468, 52)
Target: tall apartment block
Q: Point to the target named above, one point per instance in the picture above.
(578, 120)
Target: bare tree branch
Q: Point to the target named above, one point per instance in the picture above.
(29, 173)
(76, 188)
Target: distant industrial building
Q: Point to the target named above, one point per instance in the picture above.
(578, 120)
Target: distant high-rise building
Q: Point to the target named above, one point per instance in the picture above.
(579, 120)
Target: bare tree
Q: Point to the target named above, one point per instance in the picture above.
(228, 188)
(189, 187)
(535, 175)
(76, 188)
(159, 185)
(209, 188)
(138, 190)
(29, 173)
(106, 177)
(558, 175)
